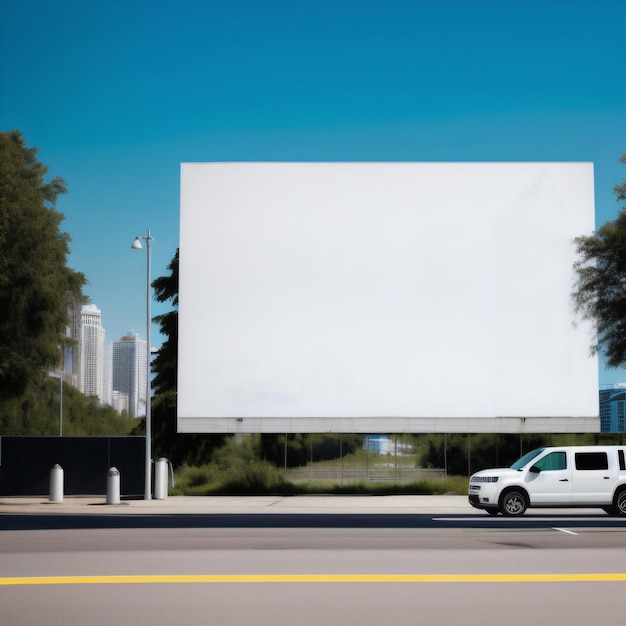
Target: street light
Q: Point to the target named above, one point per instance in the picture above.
(136, 245)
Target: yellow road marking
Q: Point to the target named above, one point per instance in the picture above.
(311, 578)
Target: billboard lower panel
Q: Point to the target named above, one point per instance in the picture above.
(394, 425)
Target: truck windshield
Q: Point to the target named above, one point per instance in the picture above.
(529, 456)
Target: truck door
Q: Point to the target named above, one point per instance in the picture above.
(553, 483)
(594, 477)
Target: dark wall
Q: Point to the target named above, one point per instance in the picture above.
(25, 464)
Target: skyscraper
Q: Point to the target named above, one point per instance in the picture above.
(129, 372)
(108, 376)
(91, 352)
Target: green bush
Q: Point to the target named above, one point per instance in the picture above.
(198, 476)
(234, 469)
(255, 477)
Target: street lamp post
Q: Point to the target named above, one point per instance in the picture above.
(136, 245)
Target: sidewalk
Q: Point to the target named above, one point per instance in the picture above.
(249, 505)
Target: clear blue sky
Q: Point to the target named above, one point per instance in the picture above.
(117, 94)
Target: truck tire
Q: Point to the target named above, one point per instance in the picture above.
(514, 502)
(620, 502)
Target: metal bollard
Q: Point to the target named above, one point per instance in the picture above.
(56, 484)
(160, 479)
(113, 486)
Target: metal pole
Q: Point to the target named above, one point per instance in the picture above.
(148, 482)
(148, 486)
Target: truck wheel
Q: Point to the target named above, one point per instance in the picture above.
(620, 503)
(514, 503)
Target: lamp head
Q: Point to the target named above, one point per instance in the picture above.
(136, 245)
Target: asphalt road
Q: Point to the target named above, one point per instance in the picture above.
(303, 520)
(311, 569)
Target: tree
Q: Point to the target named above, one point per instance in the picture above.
(36, 413)
(178, 448)
(165, 363)
(36, 286)
(302, 448)
(600, 288)
(460, 453)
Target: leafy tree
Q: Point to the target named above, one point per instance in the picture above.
(485, 450)
(178, 448)
(165, 363)
(36, 286)
(301, 448)
(600, 288)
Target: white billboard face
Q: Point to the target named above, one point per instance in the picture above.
(378, 297)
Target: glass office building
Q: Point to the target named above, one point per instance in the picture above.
(129, 372)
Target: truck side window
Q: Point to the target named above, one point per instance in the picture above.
(591, 460)
(552, 461)
(622, 463)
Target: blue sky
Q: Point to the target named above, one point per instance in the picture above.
(116, 95)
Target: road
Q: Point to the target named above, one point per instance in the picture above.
(311, 569)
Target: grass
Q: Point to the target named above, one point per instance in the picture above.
(261, 478)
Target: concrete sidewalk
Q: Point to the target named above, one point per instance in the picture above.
(203, 505)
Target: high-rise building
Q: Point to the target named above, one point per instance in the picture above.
(108, 376)
(119, 401)
(69, 364)
(613, 408)
(129, 372)
(90, 337)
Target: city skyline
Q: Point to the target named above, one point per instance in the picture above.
(116, 97)
(87, 362)
(114, 372)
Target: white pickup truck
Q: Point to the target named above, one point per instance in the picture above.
(568, 476)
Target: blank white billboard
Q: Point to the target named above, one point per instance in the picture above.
(382, 297)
